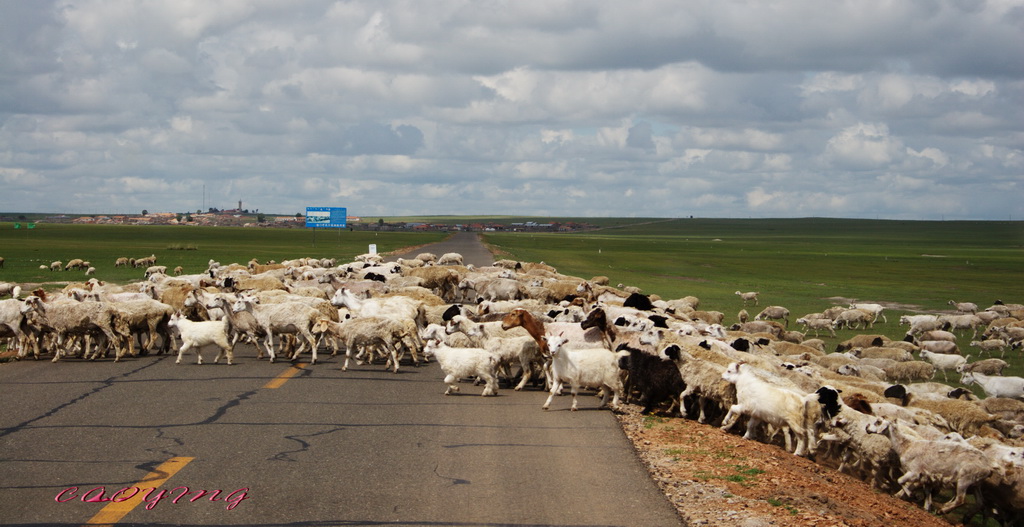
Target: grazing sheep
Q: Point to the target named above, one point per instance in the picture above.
(961, 323)
(940, 346)
(773, 313)
(747, 297)
(854, 319)
(863, 341)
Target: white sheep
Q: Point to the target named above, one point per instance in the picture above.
(964, 307)
(286, 317)
(9, 289)
(882, 352)
(774, 313)
(195, 335)
(522, 350)
(817, 324)
(450, 259)
(961, 322)
(457, 363)
(943, 361)
(874, 309)
(368, 334)
(933, 463)
(590, 367)
(913, 370)
(991, 345)
(703, 379)
(747, 297)
(763, 401)
(871, 454)
(854, 319)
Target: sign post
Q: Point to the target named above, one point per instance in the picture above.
(326, 218)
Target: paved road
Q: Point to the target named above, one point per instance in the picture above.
(467, 244)
(326, 447)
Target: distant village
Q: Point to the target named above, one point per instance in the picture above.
(246, 218)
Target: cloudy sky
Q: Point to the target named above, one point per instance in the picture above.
(908, 109)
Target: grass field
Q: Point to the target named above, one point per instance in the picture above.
(190, 247)
(806, 265)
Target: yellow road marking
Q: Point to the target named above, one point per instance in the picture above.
(276, 382)
(114, 511)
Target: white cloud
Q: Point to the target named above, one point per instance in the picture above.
(716, 107)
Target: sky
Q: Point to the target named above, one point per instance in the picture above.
(889, 109)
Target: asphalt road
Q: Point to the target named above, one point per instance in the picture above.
(326, 447)
(467, 244)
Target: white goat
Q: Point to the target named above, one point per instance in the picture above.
(591, 367)
(762, 401)
(943, 361)
(195, 335)
(464, 362)
(1012, 387)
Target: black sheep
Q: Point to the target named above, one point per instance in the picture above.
(655, 379)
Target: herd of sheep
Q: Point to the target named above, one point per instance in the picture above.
(869, 407)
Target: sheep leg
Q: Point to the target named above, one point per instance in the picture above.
(547, 403)
(312, 344)
(490, 384)
(184, 347)
(751, 432)
(526, 370)
(344, 367)
(575, 389)
(958, 500)
(731, 417)
(269, 344)
(450, 380)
